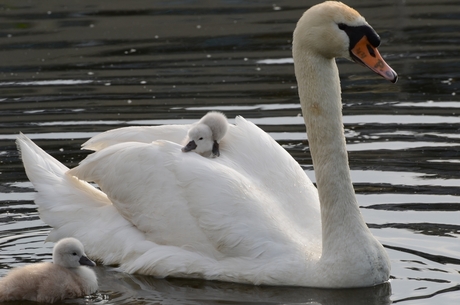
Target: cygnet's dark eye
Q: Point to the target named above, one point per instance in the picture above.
(200, 138)
(75, 253)
(342, 26)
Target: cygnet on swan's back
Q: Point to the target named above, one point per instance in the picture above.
(51, 282)
(204, 136)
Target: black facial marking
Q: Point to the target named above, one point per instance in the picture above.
(355, 33)
(342, 26)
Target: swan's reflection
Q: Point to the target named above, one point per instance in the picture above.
(123, 288)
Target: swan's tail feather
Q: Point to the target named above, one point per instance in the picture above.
(75, 208)
(36, 160)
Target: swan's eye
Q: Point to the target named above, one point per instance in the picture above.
(200, 138)
(342, 26)
(75, 253)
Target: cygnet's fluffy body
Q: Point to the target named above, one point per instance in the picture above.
(51, 282)
(204, 136)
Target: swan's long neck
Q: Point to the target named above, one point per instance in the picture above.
(320, 97)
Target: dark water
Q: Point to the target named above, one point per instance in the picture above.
(72, 69)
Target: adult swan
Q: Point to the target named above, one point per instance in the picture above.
(249, 216)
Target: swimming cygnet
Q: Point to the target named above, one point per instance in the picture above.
(50, 282)
(204, 136)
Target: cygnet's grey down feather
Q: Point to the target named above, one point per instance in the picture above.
(64, 278)
(204, 136)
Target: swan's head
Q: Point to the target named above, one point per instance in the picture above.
(69, 253)
(200, 140)
(332, 29)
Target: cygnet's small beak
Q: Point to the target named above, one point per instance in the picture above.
(86, 261)
(189, 147)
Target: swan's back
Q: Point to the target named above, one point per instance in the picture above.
(250, 151)
(208, 189)
(143, 134)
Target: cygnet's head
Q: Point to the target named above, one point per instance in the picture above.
(69, 253)
(200, 140)
(218, 123)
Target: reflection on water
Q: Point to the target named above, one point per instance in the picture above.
(71, 70)
(172, 291)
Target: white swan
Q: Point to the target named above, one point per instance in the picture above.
(67, 277)
(204, 136)
(249, 216)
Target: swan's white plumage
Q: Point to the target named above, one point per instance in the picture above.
(186, 207)
(146, 134)
(191, 235)
(249, 216)
(52, 282)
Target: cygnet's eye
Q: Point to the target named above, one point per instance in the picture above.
(342, 26)
(75, 253)
(200, 138)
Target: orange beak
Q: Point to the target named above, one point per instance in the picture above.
(364, 53)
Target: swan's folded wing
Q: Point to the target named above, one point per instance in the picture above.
(250, 150)
(209, 205)
(143, 134)
(145, 192)
(75, 208)
(181, 199)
